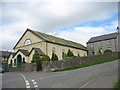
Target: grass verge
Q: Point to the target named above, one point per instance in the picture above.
(86, 65)
(117, 84)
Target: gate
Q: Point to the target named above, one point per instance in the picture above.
(38, 66)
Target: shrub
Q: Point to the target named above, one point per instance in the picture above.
(70, 54)
(4, 62)
(99, 52)
(45, 58)
(107, 51)
(54, 57)
(36, 57)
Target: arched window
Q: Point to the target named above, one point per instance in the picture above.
(78, 54)
(53, 50)
(14, 62)
(63, 53)
(11, 62)
(27, 42)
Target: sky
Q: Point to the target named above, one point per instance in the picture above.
(74, 20)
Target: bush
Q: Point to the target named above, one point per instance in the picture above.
(4, 62)
(107, 51)
(54, 57)
(45, 58)
(36, 57)
(70, 54)
(99, 52)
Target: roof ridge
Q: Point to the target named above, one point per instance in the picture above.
(53, 39)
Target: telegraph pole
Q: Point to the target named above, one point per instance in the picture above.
(118, 30)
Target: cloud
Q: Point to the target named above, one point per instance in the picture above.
(49, 16)
(83, 34)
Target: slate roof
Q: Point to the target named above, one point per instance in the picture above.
(103, 37)
(5, 54)
(57, 40)
(25, 52)
(38, 50)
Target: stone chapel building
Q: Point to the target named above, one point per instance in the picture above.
(44, 44)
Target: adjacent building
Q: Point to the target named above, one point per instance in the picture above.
(104, 42)
(4, 55)
(44, 44)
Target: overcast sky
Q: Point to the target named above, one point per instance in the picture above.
(69, 19)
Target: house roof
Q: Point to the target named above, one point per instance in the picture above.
(38, 50)
(57, 40)
(5, 54)
(103, 37)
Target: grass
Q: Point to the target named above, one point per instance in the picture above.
(86, 65)
(117, 84)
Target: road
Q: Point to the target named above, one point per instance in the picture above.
(97, 76)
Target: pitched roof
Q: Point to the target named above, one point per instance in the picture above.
(103, 37)
(25, 52)
(5, 54)
(38, 50)
(57, 40)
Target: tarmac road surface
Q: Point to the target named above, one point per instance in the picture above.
(97, 76)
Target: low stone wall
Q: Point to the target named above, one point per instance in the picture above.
(53, 65)
(27, 67)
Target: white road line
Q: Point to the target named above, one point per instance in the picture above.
(32, 80)
(23, 77)
(87, 83)
(34, 83)
(27, 86)
(26, 81)
(35, 86)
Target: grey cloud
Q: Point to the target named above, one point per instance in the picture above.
(47, 16)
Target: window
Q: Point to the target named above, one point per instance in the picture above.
(15, 62)
(109, 43)
(78, 54)
(92, 45)
(63, 53)
(27, 42)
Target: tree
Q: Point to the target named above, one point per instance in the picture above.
(36, 57)
(54, 57)
(70, 53)
(45, 58)
(107, 51)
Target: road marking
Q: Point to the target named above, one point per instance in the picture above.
(35, 86)
(87, 83)
(26, 81)
(34, 83)
(32, 80)
(27, 86)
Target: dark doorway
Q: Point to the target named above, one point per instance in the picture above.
(38, 66)
(19, 60)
